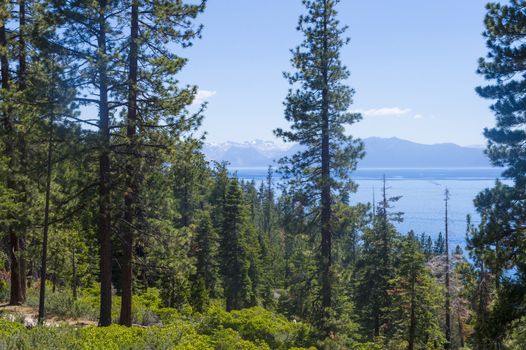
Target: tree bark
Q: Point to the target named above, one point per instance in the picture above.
(43, 272)
(447, 345)
(104, 175)
(22, 70)
(74, 277)
(16, 296)
(460, 330)
(131, 182)
(326, 229)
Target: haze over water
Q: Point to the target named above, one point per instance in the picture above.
(422, 192)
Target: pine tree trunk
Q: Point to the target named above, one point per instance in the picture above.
(74, 277)
(22, 270)
(447, 345)
(131, 183)
(185, 200)
(326, 230)
(16, 296)
(376, 321)
(104, 175)
(460, 330)
(42, 297)
(22, 68)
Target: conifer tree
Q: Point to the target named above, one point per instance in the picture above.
(416, 301)
(91, 43)
(495, 242)
(206, 277)
(32, 93)
(376, 267)
(317, 108)
(505, 25)
(237, 258)
(155, 105)
(439, 245)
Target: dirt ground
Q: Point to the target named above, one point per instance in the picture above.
(30, 316)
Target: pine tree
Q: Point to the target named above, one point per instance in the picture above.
(206, 276)
(32, 93)
(439, 246)
(91, 43)
(493, 245)
(461, 313)
(155, 104)
(376, 267)
(317, 108)
(416, 301)
(505, 25)
(501, 207)
(237, 259)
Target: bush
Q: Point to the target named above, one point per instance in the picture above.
(259, 325)
(41, 338)
(8, 328)
(62, 304)
(168, 328)
(228, 339)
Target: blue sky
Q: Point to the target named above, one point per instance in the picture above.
(412, 65)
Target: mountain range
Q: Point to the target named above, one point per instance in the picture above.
(380, 153)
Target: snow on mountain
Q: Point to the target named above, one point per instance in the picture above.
(380, 153)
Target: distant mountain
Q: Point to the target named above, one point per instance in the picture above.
(257, 153)
(380, 153)
(394, 152)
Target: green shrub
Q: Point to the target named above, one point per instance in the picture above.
(62, 304)
(259, 325)
(111, 338)
(228, 339)
(8, 328)
(168, 328)
(62, 338)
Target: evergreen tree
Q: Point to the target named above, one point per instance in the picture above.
(505, 24)
(494, 244)
(416, 301)
(156, 107)
(461, 312)
(32, 94)
(439, 246)
(376, 267)
(317, 107)
(496, 240)
(91, 43)
(238, 261)
(206, 276)
(427, 245)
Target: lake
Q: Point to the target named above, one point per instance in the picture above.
(422, 192)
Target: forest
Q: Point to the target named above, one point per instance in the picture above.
(117, 233)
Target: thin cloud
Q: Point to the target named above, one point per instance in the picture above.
(384, 111)
(418, 116)
(203, 96)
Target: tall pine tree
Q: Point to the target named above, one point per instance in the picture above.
(237, 257)
(317, 107)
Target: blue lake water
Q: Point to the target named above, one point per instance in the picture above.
(422, 192)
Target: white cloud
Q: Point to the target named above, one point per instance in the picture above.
(418, 116)
(384, 111)
(202, 96)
